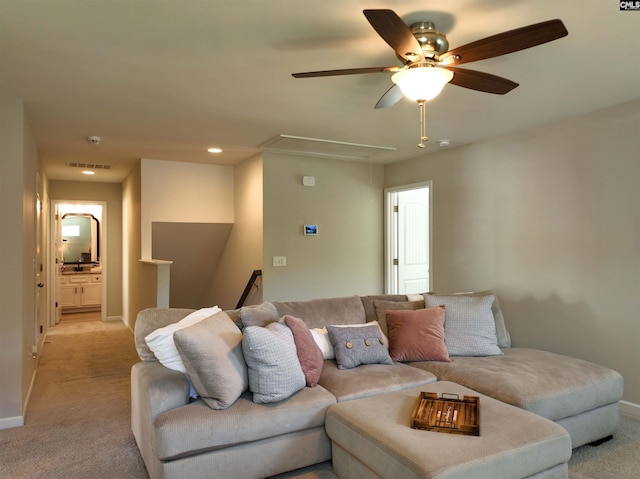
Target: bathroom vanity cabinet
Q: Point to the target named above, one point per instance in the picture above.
(80, 291)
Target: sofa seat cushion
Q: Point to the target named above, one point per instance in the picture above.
(196, 428)
(548, 384)
(318, 313)
(370, 379)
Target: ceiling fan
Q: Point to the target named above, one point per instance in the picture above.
(429, 65)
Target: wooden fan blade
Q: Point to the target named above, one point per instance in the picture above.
(506, 42)
(347, 71)
(396, 33)
(481, 81)
(392, 96)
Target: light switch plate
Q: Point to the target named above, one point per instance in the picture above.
(279, 260)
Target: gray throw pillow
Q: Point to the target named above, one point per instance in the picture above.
(274, 370)
(469, 326)
(211, 351)
(358, 344)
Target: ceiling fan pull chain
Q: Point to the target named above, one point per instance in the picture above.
(423, 123)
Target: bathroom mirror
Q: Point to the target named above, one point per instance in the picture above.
(80, 239)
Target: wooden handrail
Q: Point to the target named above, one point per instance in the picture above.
(247, 289)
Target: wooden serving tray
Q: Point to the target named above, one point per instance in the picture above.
(448, 413)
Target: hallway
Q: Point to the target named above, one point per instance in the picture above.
(77, 422)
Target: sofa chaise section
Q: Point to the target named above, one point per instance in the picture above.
(579, 395)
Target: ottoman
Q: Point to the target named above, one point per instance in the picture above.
(372, 438)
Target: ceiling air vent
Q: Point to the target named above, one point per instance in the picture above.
(323, 148)
(91, 166)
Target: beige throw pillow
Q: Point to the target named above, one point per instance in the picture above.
(212, 354)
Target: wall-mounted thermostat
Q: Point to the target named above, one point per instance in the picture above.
(311, 230)
(309, 180)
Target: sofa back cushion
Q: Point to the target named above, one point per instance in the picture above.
(318, 313)
(369, 307)
(151, 319)
(258, 315)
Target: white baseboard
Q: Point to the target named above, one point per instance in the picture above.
(10, 422)
(629, 409)
(114, 318)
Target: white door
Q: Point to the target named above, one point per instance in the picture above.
(61, 292)
(40, 298)
(408, 239)
(413, 241)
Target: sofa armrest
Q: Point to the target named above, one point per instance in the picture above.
(154, 389)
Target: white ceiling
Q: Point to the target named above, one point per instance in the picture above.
(165, 79)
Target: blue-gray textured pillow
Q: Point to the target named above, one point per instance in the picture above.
(469, 326)
(274, 370)
(358, 344)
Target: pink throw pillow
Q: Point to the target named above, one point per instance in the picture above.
(309, 354)
(417, 335)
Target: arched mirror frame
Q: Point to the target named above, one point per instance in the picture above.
(97, 239)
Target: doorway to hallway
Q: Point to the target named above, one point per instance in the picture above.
(78, 252)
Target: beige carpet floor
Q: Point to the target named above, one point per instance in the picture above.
(77, 424)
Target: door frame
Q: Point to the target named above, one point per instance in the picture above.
(53, 266)
(391, 233)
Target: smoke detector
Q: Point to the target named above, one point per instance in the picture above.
(93, 140)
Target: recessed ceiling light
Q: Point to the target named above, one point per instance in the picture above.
(214, 150)
(88, 172)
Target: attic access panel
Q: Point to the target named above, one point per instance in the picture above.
(323, 148)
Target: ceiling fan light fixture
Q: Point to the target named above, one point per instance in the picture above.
(422, 83)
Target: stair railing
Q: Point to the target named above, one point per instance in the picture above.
(247, 289)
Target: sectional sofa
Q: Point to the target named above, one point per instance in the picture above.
(252, 394)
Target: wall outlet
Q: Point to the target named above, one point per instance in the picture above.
(279, 260)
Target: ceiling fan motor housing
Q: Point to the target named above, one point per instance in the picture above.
(430, 39)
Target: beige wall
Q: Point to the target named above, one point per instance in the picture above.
(139, 286)
(243, 252)
(183, 192)
(111, 194)
(18, 166)
(346, 257)
(549, 219)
